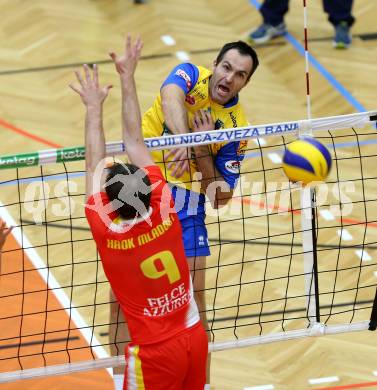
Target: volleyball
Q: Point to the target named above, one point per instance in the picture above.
(306, 160)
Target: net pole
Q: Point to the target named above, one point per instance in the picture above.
(315, 258)
(373, 316)
(307, 197)
(309, 250)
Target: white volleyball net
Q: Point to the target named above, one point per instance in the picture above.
(272, 273)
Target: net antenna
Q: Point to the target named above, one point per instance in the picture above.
(308, 211)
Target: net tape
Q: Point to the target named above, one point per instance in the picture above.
(302, 127)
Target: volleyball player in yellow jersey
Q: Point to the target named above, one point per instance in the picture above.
(187, 90)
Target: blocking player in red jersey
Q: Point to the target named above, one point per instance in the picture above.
(138, 236)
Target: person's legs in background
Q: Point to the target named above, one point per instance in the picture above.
(273, 25)
(340, 16)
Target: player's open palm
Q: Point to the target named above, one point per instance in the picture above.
(126, 63)
(202, 121)
(91, 93)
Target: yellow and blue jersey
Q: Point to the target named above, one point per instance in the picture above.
(194, 81)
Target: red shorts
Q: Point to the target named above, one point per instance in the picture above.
(178, 363)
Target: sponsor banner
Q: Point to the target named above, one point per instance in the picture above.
(19, 160)
(70, 154)
(78, 153)
(191, 139)
(221, 135)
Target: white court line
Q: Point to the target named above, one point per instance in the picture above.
(363, 255)
(275, 158)
(263, 387)
(327, 215)
(182, 55)
(168, 40)
(54, 286)
(329, 379)
(344, 234)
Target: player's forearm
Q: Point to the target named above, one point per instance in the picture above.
(216, 188)
(174, 110)
(95, 148)
(131, 116)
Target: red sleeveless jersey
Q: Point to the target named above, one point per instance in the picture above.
(145, 263)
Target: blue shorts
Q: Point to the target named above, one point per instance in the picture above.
(190, 208)
(195, 236)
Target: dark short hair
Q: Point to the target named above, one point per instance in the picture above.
(137, 185)
(244, 49)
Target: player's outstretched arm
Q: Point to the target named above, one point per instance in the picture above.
(131, 116)
(93, 96)
(175, 117)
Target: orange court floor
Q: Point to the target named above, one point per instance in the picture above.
(39, 329)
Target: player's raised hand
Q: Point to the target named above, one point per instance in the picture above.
(179, 161)
(202, 121)
(4, 232)
(91, 93)
(125, 64)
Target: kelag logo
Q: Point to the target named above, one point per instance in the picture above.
(71, 154)
(18, 161)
